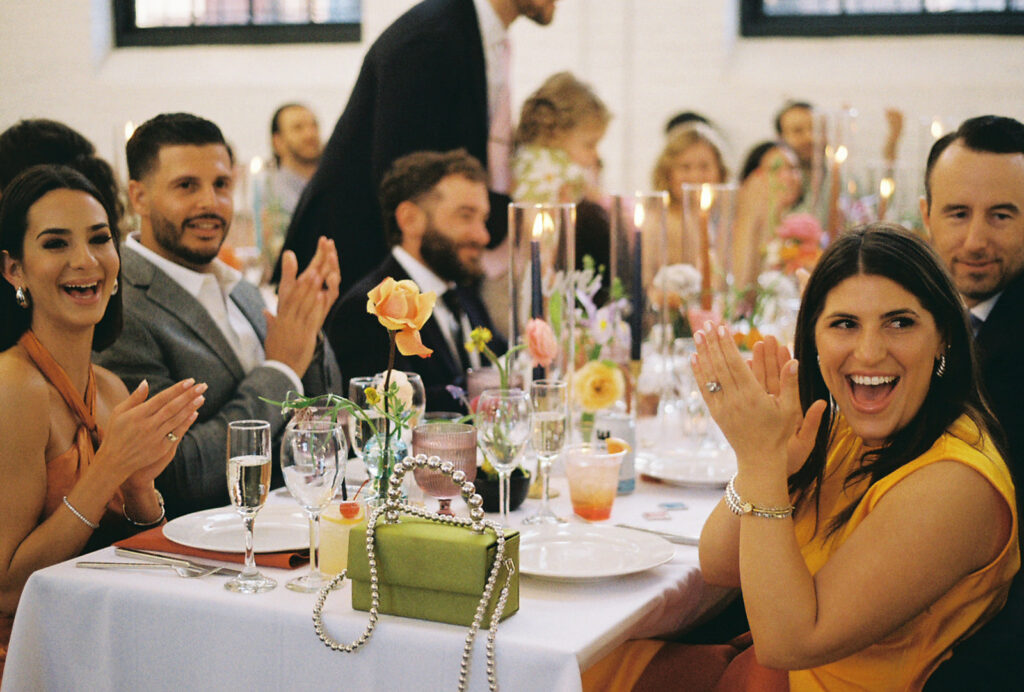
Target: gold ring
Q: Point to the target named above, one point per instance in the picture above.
(171, 437)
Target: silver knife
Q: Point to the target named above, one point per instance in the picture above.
(168, 560)
(670, 537)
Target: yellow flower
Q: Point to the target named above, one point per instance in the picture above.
(598, 385)
(372, 395)
(478, 338)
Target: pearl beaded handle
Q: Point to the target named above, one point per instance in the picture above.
(389, 510)
(394, 499)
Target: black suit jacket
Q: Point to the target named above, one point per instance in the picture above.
(361, 343)
(994, 657)
(422, 86)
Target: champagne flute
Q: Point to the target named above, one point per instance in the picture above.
(313, 451)
(549, 400)
(451, 442)
(248, 484)
(503, 419)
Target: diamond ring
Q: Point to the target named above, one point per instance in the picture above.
(171, 437)
(713, 386)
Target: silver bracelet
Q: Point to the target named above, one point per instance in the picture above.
(163, 512)
(90, 524)
(738, 507)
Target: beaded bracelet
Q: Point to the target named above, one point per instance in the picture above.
(738, 507)
(91, 524)
(163, 512)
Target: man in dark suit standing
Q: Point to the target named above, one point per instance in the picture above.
(974, 210)
(436, 208)
(436, 79)
(187, 314)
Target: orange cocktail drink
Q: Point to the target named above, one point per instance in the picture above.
(593, 474)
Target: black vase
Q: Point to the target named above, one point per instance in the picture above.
(519, 487)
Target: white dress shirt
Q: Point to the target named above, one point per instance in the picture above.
(213, 289)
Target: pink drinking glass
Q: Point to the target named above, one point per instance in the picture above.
(454, 442)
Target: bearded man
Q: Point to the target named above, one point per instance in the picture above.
(435, 209)
(187, 314)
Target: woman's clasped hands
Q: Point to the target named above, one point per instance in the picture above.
(756, 404)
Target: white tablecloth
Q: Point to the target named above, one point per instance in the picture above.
(83, 629)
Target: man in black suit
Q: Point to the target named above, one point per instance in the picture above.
(435, 208)
(974, 210)
(431, 81)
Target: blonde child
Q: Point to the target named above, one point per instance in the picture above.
(560, 126)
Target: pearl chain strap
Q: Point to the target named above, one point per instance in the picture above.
(390, 509)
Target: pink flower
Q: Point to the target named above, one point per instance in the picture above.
(802, 227)
(541, 342)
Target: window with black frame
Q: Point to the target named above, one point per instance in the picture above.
(880, 17)
(182, 22)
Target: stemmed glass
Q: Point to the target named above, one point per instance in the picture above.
(359, 431)
(549, 400)
(248, 484)
(313, 451)
(452, 442)
(503, 419)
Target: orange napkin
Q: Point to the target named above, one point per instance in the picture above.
(154, 539)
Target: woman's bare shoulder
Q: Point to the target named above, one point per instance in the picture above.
(24, 386)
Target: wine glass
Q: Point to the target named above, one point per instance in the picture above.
(416, 394)
(248, 485)
(313, 451)
(359, 431)
(549, 401)
(503, 420)
(452, 442)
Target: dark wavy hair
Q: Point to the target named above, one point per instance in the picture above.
(892, 252)
(36, 141)
(414, 176)
(24, 191)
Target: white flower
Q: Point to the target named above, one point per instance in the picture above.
(404, 386)
(681, 279)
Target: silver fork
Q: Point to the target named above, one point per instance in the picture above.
(186, 572)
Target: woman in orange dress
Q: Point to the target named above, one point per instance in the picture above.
(79, 454)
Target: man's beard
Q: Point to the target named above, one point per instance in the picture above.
(168, 237)
(441, 254)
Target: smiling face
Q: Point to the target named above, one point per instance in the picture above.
(185, 203)
(452, 228)
(69, 262)
(696, 165)
(796, 127)
(877, 347)
(976, 218)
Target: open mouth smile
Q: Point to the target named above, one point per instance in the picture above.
(84, 292)
(871, 393)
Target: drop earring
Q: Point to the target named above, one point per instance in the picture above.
(21, 295)
(113, 290)
(940, 366)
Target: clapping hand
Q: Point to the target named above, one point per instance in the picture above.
(757, 407)
(303, 304)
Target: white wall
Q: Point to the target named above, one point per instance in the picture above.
(646, 58)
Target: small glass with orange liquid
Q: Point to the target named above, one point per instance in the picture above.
(593, 473)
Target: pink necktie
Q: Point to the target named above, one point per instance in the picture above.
(499, 141)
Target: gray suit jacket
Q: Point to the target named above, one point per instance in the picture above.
(169, 336)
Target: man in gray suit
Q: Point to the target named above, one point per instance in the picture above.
(187, 314)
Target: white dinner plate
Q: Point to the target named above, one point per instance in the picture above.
(579, 552)
(277, 527)
(694, 468)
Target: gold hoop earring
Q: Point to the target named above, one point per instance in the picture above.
(22, 296)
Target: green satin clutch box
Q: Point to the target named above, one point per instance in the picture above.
(432, 571)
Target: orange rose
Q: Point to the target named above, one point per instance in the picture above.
(541, 342)
(400, 307)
